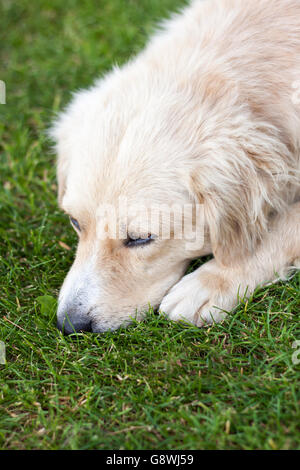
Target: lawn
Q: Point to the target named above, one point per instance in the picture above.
(155, 385)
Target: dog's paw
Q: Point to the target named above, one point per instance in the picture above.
(202, 297)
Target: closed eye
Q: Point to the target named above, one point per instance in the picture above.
(75, 224)
(134, 242)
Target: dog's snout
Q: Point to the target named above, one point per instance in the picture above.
(70, 322)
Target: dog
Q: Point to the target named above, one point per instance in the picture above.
(207, 115)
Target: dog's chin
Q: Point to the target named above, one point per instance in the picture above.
(101, 323)
(115, 320)
(100, 327)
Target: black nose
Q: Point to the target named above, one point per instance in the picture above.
(70, 324)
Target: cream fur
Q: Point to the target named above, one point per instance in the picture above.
(206, 113)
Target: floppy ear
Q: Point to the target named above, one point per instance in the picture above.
(238, 188)
(229, 216)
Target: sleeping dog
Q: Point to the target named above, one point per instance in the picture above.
(207, 117)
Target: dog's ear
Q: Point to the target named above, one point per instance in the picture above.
(228, 215)
(238, 192)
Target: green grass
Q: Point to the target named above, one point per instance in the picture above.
(155, 385)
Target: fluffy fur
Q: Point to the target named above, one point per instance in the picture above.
(205, 114)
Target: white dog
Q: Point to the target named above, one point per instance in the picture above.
(208, 114)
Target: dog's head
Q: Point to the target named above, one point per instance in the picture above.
(120, 175)
(134, 145)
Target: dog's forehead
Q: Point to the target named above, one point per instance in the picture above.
(93, 179)
(112, 150)
(89, 192)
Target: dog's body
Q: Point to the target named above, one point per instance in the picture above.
(208, 113)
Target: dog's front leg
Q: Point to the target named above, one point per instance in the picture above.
(214, 289)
